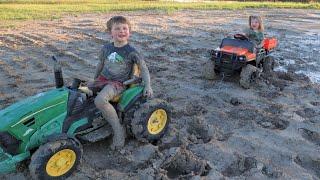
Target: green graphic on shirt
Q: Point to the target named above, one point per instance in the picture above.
(115, 57)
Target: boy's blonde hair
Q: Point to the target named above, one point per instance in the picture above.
(117, 20)
(261, 27)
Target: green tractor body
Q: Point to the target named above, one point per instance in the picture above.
(48, 127)
(31, 122)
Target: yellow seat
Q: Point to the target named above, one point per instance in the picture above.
(135, 73)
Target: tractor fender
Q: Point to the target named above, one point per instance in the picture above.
(62, 136)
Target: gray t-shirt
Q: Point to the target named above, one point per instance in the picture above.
(118, 61)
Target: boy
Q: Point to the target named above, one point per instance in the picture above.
(115, 67)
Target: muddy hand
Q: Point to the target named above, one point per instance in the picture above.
(86, 90)
(147, 92)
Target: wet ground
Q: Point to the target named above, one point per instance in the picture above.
(219, 130)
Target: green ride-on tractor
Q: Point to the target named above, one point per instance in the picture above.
(49, 126)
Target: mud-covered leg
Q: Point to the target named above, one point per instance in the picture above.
(110, 114)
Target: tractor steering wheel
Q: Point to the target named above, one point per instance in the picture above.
(241, 37)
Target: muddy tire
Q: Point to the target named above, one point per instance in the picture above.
(56, 160)
(208, 70)
(248, 76)
(268, 64)
(151, 120)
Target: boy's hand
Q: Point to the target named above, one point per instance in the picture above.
(148, 92)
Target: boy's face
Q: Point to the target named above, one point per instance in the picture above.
(254, 24)
(120, 32)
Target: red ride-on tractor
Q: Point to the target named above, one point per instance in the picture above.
(238, 54)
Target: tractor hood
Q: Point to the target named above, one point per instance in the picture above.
(234, 50)
(21, 111)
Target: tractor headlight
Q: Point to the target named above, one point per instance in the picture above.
(215, 53)
(241, 58)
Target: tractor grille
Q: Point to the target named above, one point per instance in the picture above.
(226, 65)
(8, 143)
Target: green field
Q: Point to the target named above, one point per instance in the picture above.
(51, 9)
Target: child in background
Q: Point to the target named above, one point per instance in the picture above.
(255, 31)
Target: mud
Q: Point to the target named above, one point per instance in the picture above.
(219, 130)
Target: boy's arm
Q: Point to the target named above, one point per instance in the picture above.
(144, 73)
(100, 65)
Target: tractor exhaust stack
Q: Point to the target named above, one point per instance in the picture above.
(57, 73)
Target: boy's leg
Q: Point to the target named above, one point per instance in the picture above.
(110, 114)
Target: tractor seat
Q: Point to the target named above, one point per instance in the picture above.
(116, 99)
(134, 81)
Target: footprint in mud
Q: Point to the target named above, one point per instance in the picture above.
(274, 109)
(240, 166)
(195, 108)
(266, 120)
(271, 172)
(311, 136)
(199, 131)
(181, 163)
(291, 76)
(269, 94)
(309, 163)
(315, 103)
(307, 113)
(235, 101)
(273, 123)
(206, 99)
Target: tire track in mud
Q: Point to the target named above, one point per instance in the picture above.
(10, 82)
(31, 65)
(28, 65)
(90, 35)
(70, 61)
(58, 51)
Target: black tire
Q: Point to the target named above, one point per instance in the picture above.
(268, 64)
(248, 75)
(208, 70)
(139, 123)
(39, 160)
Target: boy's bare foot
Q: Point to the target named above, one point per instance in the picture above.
(118, 139)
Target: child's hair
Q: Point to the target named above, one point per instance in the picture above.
(117, 20)
(261, 27)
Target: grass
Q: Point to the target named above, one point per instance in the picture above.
(51, 9)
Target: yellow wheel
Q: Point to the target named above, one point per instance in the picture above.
(61, 162)
(56, 159)
(157, 121)
(150, 120)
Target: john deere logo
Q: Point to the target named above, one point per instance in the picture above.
(115, 57)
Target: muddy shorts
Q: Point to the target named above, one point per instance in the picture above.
(101, 82)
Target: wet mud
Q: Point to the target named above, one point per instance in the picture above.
(218, 130)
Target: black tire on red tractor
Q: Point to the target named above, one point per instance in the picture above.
(151, 120)
(56, 159)
(248, 76)
(268, 64)
(208, 70)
